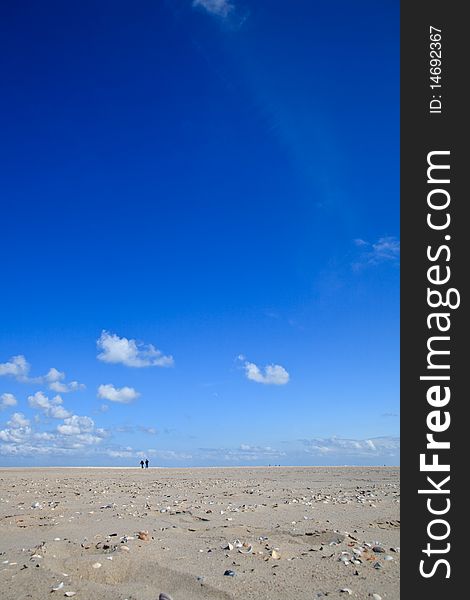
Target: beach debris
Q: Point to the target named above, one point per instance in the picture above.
(96, 565)
(275, 554)
(164, 596)
(69, 594)
(228, 546)
(388, 557)
(346, 591)
(245, 549)
(377, 565)
(229, 573)
(36, 505)
(378, 549)
(376, 597)
(58, 587)
(144, 536)
(108, 506)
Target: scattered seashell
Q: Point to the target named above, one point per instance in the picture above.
(58, 587)
(246, 549)
(346, 591)
(144, 535)
(388, 557)
(69, 594)
(376, 597)
(275, 554)
(164, 596)
(96, 565)
(229, 546)
(378, 549)
(229, 573)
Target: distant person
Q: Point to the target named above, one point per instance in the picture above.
(142, 464)
(146, 463)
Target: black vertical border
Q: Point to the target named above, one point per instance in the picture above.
(422, 132)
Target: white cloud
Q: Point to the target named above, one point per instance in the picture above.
(385, 249)
(245, 453)
(51, 408)
(7, 400)
(218, 8)
(131, 353)
(17, 366)
(18, 420)
(353, 448)
(76, 425)
(123, 395)
(269, 375)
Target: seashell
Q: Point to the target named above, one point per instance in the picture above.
(376, 597)
(388, 557)
(164, 596)
(229, 546)
(275, 554)
(246, 549)
(346, 591)
(144, 535)
(58, 587)
(229, 573)
(96, 565)
(237, 544)
(69, 594)
(378, 549)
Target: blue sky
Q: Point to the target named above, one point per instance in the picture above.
(200, 233)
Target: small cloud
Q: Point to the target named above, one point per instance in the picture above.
(385, 249)
(17, 366)
(51, 408)
(352, 448)
(148, 430)
(217, 8)
(361, 243)
(7, 400)
(76, 425)
(115, 349)
(18, 420)
(269, 375)
(55, 380)
(123, 395)
(104, 408)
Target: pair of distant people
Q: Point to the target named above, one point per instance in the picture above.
(146, 463)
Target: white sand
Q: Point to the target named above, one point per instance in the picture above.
(310, 516)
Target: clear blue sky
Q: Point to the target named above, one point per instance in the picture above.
(214, 185)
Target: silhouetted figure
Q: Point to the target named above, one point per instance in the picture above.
(146, 463)
(142, 464)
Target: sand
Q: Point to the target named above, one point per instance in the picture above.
(57, 525)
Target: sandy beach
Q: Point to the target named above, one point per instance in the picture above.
(253, 533)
